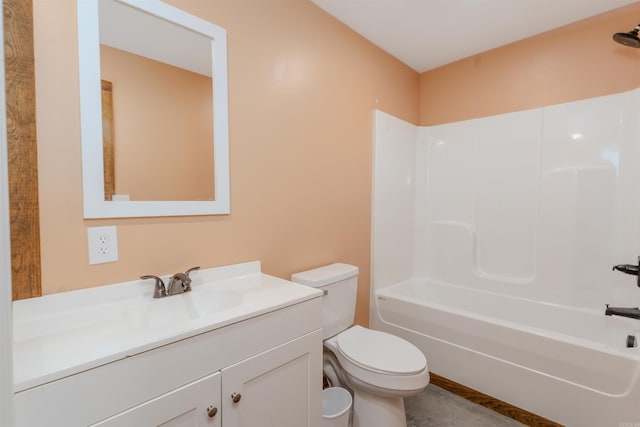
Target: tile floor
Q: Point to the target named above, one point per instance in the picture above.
(436, 407)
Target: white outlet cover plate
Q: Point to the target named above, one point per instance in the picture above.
(103, 244)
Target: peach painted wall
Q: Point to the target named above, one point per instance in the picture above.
(574, 62)
(163, 128)
(302, 88)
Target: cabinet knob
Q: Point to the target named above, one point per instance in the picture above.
(212, 411)
(236, 397)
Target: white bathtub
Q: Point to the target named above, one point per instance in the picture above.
(566, 364)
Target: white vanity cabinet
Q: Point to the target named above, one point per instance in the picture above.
(188, 406)
(271, 389)
(268, 357)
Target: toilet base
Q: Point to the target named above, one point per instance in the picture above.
(376, 411)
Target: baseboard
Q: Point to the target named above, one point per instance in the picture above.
(492, 403)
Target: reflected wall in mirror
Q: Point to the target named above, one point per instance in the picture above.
(155, 142)
(153, 110)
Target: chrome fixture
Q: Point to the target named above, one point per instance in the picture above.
(161, 290)
(178, 283)
(632, 312)
(630, 269)
(628, 39)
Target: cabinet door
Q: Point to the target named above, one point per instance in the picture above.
(187, 406)
(281, 387)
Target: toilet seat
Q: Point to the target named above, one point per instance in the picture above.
(372, 372)
(380, 352)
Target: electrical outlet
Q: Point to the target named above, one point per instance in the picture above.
(103, 244)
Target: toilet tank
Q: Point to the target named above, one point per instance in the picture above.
(340, 283)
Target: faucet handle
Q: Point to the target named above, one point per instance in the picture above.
(190, 270)
(630, 269)
(160, 289)
(186, 284)
(627, 269)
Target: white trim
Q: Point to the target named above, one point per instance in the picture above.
(6, 340)
(95, 205)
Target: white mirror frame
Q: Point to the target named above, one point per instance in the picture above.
(95, 205)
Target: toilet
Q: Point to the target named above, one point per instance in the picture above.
(380, 369)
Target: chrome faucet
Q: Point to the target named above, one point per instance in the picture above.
(178, 283)
(632, 312)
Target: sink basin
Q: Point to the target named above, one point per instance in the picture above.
(212, 301)
(179, 310)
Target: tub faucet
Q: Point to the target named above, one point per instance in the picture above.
(630, 269)
(632, 312)
(178, 283)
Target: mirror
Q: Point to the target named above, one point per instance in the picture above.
(154, 111)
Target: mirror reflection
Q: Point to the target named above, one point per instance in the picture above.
(157, 109)
(155, 138)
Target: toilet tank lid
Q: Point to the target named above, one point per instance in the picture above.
(326, 275)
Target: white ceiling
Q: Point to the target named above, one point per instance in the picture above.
(141, 32)
(426, 34)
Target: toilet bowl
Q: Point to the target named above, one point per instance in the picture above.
(380, 369)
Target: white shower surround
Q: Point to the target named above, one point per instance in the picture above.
(522, 213)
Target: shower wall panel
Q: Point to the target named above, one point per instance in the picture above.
(537, 204)
(393, 199)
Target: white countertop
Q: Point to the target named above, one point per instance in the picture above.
(62, 334)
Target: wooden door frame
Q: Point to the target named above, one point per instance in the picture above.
(24, 211)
